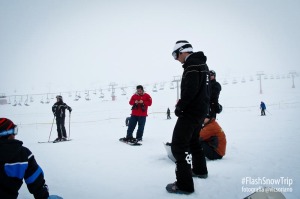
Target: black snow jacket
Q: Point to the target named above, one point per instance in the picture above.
(215, 91)
(195, 91)
(59, 109)
(18, 163)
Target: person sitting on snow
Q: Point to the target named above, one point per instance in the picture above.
(213, 139)
(18, 163)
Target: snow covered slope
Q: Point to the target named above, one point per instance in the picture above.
(96, 165)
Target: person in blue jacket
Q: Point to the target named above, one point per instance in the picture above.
(17, 163)
(262, 108)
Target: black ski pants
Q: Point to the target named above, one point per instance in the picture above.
(209, 151)
(61, 130)
(188, 152)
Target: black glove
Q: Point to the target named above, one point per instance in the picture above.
(143, 107)
(178, 112)
(135, 106)
(70, 109)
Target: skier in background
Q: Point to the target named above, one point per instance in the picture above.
(17, 163)
(168, 114)
(262, 108)
(214, 95)
(59, 109)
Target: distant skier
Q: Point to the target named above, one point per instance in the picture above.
(168, 114)
(58, 110)
(191, 110)
(262, 108)
(140, 102)
(17, 163)
(216, 88)
(213, 139)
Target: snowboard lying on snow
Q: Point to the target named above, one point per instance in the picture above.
(169, 152)
(266, 193)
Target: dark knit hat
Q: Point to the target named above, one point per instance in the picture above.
(59, 97)
(212, 73)
(7, 127)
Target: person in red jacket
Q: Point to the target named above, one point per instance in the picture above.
(139, 102)
(213, 139)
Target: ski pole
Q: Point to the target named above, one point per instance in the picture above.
(268, 112)
(69, 124)
(51, 128)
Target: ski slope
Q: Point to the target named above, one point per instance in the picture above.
(96, 165)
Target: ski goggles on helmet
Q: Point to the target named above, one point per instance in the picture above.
(175, 54)
(13, 131)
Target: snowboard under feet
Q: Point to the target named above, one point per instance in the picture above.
(132, 142)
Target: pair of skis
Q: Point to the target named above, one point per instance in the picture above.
(55, 141)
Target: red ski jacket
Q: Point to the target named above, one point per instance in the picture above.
(140, 109)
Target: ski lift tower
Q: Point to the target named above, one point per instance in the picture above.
(259, 74)
(112, 87)
(293, 74)
(177, 79)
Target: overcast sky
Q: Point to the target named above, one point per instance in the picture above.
(52, 45)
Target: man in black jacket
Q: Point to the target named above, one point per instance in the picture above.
(214, 97)
(59, 109)
(18, 163)
(191, 110)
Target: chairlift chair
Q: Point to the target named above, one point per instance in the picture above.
(123, 91)
(161, 87)
(87, 97)
(15, 102)
(171, 85)
(154, 88)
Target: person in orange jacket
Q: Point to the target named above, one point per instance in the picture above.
(213, 139)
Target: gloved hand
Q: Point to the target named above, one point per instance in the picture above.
(70, 109)
(178, 112)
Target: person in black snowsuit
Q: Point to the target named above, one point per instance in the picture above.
(59, 109)
(216, 88)
(168, 114)
(18, 163)
(191, 111)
